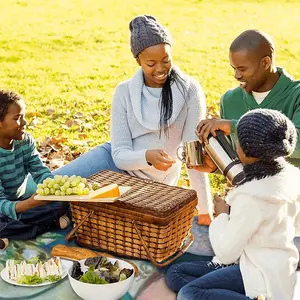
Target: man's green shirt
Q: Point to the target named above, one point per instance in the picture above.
(284, 96)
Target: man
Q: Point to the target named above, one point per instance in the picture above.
(262, 85)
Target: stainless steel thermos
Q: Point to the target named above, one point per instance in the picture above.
(226, 159)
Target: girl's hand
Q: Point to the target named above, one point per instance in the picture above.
(207, 166)
(220, 205)
(159, 159)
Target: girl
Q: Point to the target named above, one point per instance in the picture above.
(258, 233)
(152, 114)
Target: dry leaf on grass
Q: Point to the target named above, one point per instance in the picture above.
(34, 122)
(55, 153)
(50, 111)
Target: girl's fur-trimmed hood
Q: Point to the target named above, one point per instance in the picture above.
(285, 187)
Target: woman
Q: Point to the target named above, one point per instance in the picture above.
(152, 114)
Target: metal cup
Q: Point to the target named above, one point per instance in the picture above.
(193, 153)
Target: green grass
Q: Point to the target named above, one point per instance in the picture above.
(70, 54)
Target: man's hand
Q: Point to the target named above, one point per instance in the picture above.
(220, 205)
(159, 159)
(205, 127)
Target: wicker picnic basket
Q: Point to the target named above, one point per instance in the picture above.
(150, 221)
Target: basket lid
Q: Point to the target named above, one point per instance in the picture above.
(146, 196)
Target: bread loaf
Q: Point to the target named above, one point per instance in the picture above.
(78, 253)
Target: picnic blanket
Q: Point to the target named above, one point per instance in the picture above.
(149, 285)
(42, 245)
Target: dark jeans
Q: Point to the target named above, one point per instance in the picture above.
(33, 222)
(202, 280)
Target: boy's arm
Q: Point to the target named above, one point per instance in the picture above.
(12, 208)
(7, 207)
(29, 203)
(229, 234)
(36, 167)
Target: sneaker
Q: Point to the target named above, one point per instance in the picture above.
(3, 243)
(204, 219)
(64, 222)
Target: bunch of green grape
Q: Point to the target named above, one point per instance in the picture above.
(65, 186)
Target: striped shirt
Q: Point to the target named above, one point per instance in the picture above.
(15, 165)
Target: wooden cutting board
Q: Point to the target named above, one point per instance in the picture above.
(83, 198)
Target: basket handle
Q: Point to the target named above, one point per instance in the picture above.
(69, 236)
(170, 259)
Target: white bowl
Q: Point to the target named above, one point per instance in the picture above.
(110, 291)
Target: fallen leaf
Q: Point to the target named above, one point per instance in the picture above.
(56, 163)
(34, 122)
(31, 114)
(50, 111)
(59, 140)
(88, 125)
(79, 143)
(83, 136)
(79, 115)
(70, 123)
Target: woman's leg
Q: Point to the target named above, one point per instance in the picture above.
(181, 274)
(222, 284)
(89, 163)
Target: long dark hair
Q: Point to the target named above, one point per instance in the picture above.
(166, 100)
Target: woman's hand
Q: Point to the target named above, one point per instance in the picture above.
(159, 159)
(205, 127)
(220, 205)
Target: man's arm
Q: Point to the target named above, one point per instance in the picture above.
(296, 121)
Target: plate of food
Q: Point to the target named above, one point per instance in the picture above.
(76, 188)
(34, 272)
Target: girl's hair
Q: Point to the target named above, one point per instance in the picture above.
(166, 100)
(7, 98)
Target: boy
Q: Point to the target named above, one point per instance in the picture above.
(22, 217)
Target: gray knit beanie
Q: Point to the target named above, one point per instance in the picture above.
(146, 32)
(266, 134)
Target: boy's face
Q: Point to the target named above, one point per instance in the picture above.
(14, 123)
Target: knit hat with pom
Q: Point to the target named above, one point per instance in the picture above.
(266, 134)
(146, 32)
